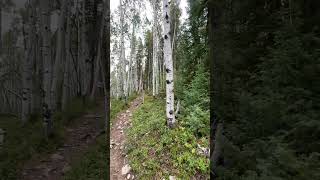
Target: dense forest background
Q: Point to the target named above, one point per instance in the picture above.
(265, 89)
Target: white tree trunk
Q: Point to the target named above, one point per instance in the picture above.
(46, 56)
(169, 65)
(27, 66)
(122, 54)
(66, 73)
(99, 47)
(154, 50)
(59, 56)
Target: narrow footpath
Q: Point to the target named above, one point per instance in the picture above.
(119, 166)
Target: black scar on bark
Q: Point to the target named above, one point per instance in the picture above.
(168, 82)
(170, 112)
(168, 70)
(165, 37)
(24, 98)
(167, 17)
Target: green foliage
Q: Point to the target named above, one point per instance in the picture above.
(155, 151)
(93, 164)
(198, 121)
(197, 91)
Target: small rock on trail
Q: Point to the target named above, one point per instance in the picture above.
(125, 169)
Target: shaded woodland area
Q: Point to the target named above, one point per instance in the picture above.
(53, 67)
(265, 89)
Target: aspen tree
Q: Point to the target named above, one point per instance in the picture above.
(27, 64)
(46, 57)
(66, 73)
(59, 55)
(169, 65)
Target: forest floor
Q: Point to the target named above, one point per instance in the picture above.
(119, 167)
(79, 136)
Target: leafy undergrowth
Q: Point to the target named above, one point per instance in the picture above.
(93, 165)
(25, 141)
(155, 151)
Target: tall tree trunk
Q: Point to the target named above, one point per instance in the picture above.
(27, 64)
(46, 56)
(99, 53)
(67, 68)
(59, 56)
(169, 65)
(122, 54)
(155, 50)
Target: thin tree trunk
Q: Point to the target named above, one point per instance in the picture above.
(169, 65)
(27, 66)
(66, 78)
(155, 50)
(122, 54)
(46, 56)
(98, 58)
(59, 56)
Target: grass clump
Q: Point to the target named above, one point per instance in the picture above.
(155, 151)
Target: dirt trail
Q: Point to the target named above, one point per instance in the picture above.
(119, 167)
(78, 139)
